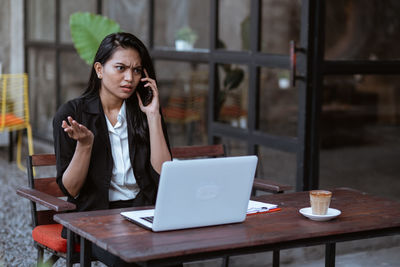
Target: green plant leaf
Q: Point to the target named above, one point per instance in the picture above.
(233, 78)
(87, 32)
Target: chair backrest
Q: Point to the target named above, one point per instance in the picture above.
(186, 152)
(46, 185)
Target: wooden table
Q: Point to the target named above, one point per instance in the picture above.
(363, 216)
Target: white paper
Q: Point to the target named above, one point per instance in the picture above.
(257, 206)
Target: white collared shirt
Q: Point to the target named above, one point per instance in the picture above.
(123, 183)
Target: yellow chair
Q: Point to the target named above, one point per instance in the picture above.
(15, 109)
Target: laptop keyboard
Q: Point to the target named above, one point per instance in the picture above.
(149, 219)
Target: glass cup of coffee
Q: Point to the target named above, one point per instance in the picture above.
(320, 201)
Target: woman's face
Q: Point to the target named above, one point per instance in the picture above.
(121, 74)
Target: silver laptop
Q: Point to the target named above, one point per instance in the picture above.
(199, 192)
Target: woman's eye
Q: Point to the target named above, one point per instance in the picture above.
(120, 67)
(138, 71)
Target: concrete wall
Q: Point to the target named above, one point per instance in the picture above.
(17, 36)
(4, 35)
(11, 36)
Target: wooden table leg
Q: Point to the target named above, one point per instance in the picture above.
(330, 253)
(70, 247)
(225, 261)
(86, 249)
(275, 258)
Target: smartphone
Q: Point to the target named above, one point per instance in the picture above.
(145, 93)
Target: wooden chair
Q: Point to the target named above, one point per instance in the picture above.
(186, 152)
(46, 233)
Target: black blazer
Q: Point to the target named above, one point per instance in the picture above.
(88, 111)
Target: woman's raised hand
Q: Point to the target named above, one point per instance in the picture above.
(77, 131)
(154, 106)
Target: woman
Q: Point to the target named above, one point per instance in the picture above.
(109, 145)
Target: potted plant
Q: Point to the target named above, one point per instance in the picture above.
(284, 79)
(185, 38)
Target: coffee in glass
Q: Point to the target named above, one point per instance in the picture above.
(320, 201)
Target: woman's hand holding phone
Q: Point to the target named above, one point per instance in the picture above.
(151, 97)
(145, 93)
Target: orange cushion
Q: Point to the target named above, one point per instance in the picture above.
(11, 120)
(49, 235)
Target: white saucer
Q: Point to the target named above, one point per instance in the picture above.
(331, 213)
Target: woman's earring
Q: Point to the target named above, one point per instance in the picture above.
(99, 75)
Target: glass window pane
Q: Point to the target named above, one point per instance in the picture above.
(132, 16)
(69, 7)
(280, 23)
(362, 29)
(232, 99)
(182, 20)
(270, 162)
(184, 96)
(41, 20)
(74, 76)
(42, 100)
(278, 102)
(233, 147)
(360, 129)
(234, 24)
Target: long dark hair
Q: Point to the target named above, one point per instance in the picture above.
(136, 118)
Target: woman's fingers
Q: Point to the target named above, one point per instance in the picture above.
(150, 82)
(75, 130)
(83, 129)
(140, 100)
(64, 124)
(153, 87)
(146, 73)
(74, 124)
(67, 128)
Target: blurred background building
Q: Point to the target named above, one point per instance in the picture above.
(337, 125)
